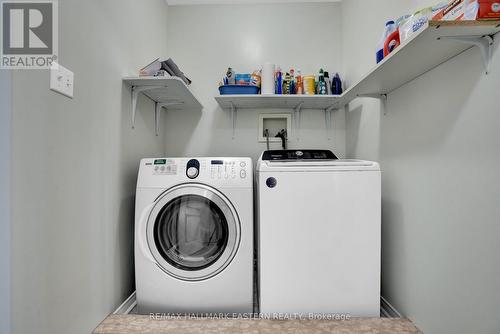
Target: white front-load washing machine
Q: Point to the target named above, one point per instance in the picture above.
(194, 236)
(319, 221)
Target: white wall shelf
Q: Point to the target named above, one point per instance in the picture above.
(328, 103)
(434, 44)
(167, 92)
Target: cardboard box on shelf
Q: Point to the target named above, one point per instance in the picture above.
(458, 10)
(489, 10)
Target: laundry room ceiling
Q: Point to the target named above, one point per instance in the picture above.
(238, 2)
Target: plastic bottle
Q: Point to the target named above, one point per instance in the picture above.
(309, 84)
(392, 41)
(286, 84)
(381, 42)
(279, 81)
(293, 82)
(336, 85)
(230, 75)
(322, 90)
(328, 83)
(300, 83)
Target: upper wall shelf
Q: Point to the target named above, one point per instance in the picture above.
(277, 101)
(166, 92)
(293, 102)
(434, 44)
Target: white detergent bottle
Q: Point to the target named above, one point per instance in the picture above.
(380, 46)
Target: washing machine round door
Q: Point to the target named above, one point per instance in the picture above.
(193, 232)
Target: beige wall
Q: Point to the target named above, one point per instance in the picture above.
(438, 148)
(205, 40)
(74, 164)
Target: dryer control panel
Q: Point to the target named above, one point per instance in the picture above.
(229, 172)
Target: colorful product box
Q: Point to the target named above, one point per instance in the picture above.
(489, 10)
(458, 10)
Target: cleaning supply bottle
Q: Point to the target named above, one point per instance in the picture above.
(328, 83)
(381, 42)
(293, 82)
(279, 81)
(392, 41)
(230, 75)
(300, 83)
(322, 90)
(286, 84)
(336, 85)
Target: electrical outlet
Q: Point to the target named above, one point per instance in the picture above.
(61, 80)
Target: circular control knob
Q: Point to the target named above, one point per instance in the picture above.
(192, 172)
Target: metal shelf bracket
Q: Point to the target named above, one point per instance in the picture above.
(158, 106)
(233, 118)
(135, 93)
(328, 119)
(484, 43)
(296, 116)
(382, 97)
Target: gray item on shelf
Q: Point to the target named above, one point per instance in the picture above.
(171, 67)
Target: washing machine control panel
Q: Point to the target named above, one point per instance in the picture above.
(217, 171)
(228, 169)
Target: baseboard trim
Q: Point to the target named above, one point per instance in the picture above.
(387, 310)
(127, 306)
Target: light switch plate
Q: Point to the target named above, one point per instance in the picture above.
(61, 80)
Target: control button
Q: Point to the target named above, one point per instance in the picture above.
(243, 164)
(192, 172)
(243, 174)
(156, 168)
(299, 153)
(162, 168)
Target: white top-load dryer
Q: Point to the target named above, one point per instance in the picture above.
(319, 227)
(194, 236)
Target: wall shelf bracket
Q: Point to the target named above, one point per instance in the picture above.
(135, 93)
(484, 43)
(158, 106)
(296, 116)
(233, 118)
(382, 97)
(328, 119)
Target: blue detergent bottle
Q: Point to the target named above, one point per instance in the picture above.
(336, 85)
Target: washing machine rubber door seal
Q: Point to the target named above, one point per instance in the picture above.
(193, 232)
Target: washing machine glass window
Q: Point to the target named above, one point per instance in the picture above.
(193, 232)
